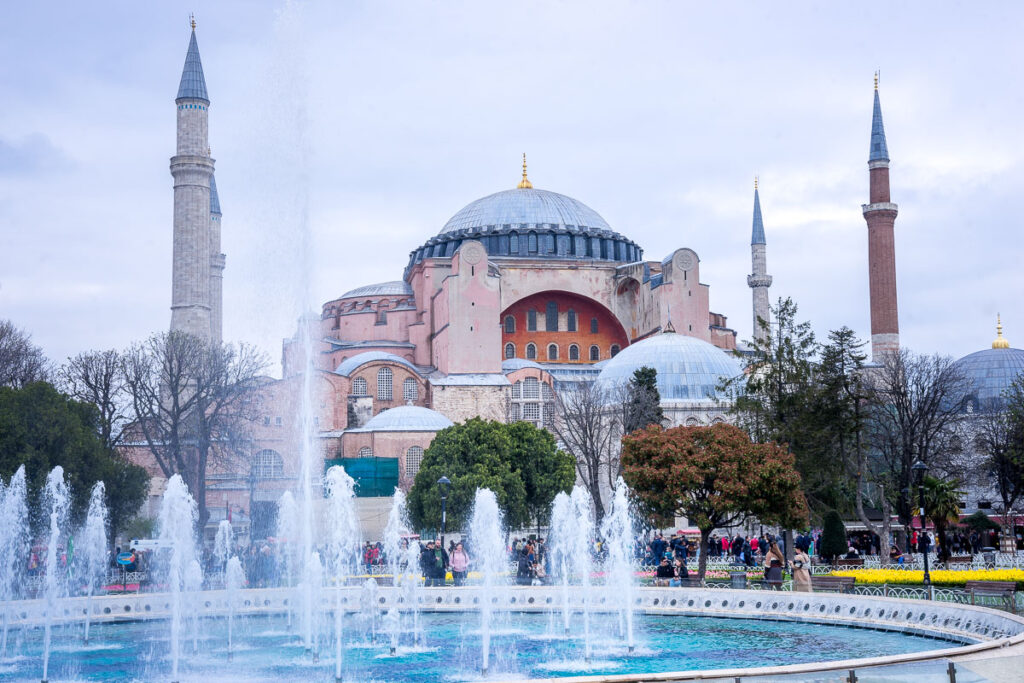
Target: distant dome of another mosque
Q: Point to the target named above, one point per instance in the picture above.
(991, 371)
(406, 419)
(689, 369)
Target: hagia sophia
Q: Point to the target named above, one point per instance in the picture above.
(520, 295)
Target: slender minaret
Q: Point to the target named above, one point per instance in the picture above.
(880, 215)
(217, 261)
(192, 169)
(759, 281)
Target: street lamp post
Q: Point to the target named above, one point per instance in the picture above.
(444, 483)
(919, 469)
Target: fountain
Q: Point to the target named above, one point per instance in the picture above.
(223, 544)
(92, 548)
(57, 499)
(403, 563)
(177, 535)
(485, 537)
(287, 532)
(194, 588)
(620, 584)
(234, 579)
(13, 546)
(344, 534)
(572, 523)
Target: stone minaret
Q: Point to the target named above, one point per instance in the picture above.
(192, 169)
(880, 215)
(217, 261)
(759, 281)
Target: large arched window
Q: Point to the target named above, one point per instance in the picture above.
(267, 464)
(531, 351)
(570, 320)
(510, 350)
(413, 458)
(614, 350)
(531, 320)
(551, 317)
(510, 324)
(365, 452)
(595, 352)
(531, 388)
(593, 326)
(552, 351)
(410, 391)
(359, 386)
(385, 385)
(574, 352)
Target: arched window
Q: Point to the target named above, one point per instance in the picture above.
(385, 387)
(531, 351)
(267, 464)
(574, 352)
(365, 452)
(531, 242)
(570, 320)
(517, 389)
(413, 458)
(513, 243)
(531, 320)
(531, 388)
(552, 351)
(410, 391)
(593, 326)
(359, 386)
(595, 353)
(510, 324)
(614, 350)
(510, 350)
(551, 317)
(692, 422)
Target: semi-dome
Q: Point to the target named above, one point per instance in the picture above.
(533, 223)
(991, 371)
(406, 419)
(689, 369)
(393, 288)
(350, 365)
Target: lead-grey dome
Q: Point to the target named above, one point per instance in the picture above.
(990, 373)
(531, 223)
(406, 419)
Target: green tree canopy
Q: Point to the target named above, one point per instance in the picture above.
(544, 470)
(643, 401)
(43, 428)
(714, 476)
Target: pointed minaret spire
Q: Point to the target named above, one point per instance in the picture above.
(880, 215)
(193, 83)
(759, 281)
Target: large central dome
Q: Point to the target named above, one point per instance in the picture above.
(531, 223)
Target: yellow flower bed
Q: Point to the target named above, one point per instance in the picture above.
(944, 577)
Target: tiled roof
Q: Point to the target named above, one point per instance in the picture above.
(193, 83)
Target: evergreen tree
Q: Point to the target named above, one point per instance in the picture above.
(833, 537)
(643, 401)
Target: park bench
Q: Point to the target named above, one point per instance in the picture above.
(1000, 589)
(843, 562)
(959, 560)
(832, 584)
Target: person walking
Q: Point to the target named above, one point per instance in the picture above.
(460, 564)
(802, 570)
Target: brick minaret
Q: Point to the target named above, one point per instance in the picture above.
(759, 281)
(192, 169)
(880, 215)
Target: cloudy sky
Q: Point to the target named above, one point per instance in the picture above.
(347, 133)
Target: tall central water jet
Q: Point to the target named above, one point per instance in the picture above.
(234, 577)
(485, 535)
(572, 528)
(177, 535)
(13, 545)
(287, 533)
(344, 534)
(402, 556)
(92, 548)
(57, 499)
(617, 530)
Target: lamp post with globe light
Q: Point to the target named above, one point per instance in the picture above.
(919, 468)
(444, 483)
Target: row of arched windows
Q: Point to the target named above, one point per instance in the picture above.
(386, 388)
(553, 351)
(550, 320)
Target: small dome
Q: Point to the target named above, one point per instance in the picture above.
(688, 368)
(350, 365)
(407, 419)
(393, 288)
(990, 372)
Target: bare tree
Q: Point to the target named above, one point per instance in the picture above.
(96, 377)
(21, 361)
(191, 404)
(915, 405)
(588, 423)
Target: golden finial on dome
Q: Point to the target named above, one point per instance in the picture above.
(1001, 342)
(525, 183)
(192, 20)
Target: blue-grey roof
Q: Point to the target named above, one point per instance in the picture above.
(406, 419)
(470, 379)
(990, 373)
(193, 83)
(531, 223)
(350, 365)
(757, 235)
(513, 364)
(393, 288)
(689, 369)
(879, 150)
(214, 197)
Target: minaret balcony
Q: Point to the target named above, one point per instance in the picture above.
(759, 281)
(880, 206)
